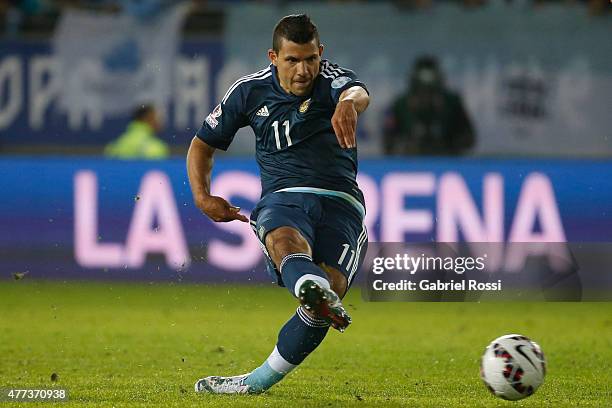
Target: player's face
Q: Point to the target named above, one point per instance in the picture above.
(297, 65)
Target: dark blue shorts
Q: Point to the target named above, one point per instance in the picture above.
(332, 226)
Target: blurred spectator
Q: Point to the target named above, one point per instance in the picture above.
(139, 141)
(142, 9)
(599, 7)
(429, 118)
(16, 11)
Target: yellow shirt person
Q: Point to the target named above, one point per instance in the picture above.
(139, 141)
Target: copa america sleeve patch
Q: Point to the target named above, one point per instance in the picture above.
(340, 82)
(211, 119)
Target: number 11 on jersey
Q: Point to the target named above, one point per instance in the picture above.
(277, 135)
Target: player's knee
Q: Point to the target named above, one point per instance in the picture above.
(337, 280)
(283, 241)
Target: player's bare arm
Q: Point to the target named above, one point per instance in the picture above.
(351, 104)
(199, 168)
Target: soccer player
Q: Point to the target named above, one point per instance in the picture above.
(303, 111)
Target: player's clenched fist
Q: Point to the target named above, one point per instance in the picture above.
(219, 210)
(344, 123)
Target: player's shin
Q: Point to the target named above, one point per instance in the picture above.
(298, 268)
(296, 340)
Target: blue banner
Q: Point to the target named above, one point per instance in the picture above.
(103, 219)
(31, 111)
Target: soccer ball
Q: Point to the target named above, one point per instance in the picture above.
(513, 367)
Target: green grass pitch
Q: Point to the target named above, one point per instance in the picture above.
(116, 344)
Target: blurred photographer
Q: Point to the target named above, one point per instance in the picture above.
(429, 119)
(140, 141)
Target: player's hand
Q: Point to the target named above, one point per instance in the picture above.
(219, 210)
(344, 122)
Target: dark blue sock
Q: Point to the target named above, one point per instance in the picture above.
(298, 267)
(300, 336)
(296, 340)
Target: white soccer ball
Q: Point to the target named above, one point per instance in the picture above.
(513, 367)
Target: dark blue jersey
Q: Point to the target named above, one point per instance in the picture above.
(296, 147)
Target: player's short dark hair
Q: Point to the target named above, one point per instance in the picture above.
(142, 111)
(297, 28)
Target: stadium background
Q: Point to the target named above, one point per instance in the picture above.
(536, 78)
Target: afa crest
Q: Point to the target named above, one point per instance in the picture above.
(305, 105)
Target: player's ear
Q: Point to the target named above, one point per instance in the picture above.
(272, 56)
(321, 50)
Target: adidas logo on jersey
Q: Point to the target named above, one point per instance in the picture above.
(263, 111)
